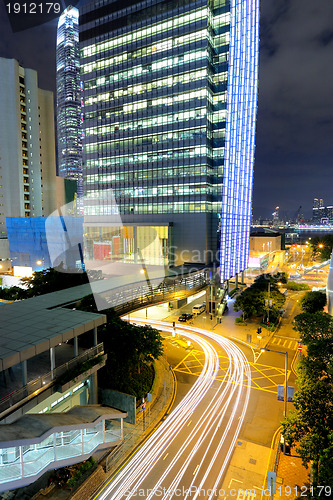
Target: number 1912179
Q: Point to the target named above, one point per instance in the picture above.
(33, 8)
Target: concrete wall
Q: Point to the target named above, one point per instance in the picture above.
(120, 401)
(265, 243)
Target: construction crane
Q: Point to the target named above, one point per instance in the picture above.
(298, 216)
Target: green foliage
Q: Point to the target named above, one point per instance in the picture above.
(327, 244)
(45, 281)
(313, 302)
(292, 285)
(13, 293)
(51, 280)
(80, 471)
(239, 321)
(130, 351)
(253, 301)
(72, 373)
(310, 425)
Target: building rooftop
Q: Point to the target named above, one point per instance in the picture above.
(32, 326)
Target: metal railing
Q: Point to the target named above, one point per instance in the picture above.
(43, 382)
(125, 299)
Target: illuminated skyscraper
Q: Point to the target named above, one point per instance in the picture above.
(170, 97)
(69, 98)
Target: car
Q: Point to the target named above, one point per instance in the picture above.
(198, 309)
(185, 317)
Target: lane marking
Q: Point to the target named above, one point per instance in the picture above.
(165, 456)
(189, 423)
(195, 470)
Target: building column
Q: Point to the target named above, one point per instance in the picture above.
(93, 390)
(21, 460)
(236, 281)
(52, 359)
(95, 336)
(121, 427)
(76, 347)
(24, 372)
(242, 275)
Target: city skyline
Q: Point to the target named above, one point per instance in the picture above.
(293, 125)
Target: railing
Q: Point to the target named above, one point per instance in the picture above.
(125, 299)
(146, 422)
(43, 382)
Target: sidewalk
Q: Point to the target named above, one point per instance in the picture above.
(163, 395)
(292, 479)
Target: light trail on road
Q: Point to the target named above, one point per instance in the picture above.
(207, 445)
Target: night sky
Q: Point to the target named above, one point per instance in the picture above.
(294, 143)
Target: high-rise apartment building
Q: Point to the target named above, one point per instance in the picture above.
(170, 95)
(27, 145)
(69, 99)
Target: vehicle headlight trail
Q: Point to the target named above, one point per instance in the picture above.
(213, 434)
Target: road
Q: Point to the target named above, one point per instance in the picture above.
(188, 454)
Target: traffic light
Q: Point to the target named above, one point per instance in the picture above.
(259, 331)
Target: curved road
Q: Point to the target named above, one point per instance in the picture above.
(189, 452)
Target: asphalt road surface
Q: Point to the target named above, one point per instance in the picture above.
(187, 456)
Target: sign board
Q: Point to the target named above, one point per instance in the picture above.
(291, 392)
(280, 395)
(149, 397)
(271, 482)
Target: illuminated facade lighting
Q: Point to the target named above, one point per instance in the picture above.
(240, 137)
(69, 99)
(170, 95)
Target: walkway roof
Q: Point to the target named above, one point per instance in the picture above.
(29, 327)
(34, 428)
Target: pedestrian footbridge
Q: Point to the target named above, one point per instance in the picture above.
(38, 442)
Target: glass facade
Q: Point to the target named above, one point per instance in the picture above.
(69, 99)
(240, 137)
(23, 463)
(156, 101)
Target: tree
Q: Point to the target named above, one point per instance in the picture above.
(323, 246)
(262, 294)
(52, 280)
(313, 302)
(130, 350)
(310, 425)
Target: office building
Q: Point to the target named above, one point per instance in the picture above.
(69, 99)
(318, 210)
(170, 95)
(48, 407)
(27, 146)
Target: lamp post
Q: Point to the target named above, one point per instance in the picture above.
(41, 262)
(285, 385)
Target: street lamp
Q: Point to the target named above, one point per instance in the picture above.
(41, 262)
(285, 385)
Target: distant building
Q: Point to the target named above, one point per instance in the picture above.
(27, 145)
(69, 99)
(276, 216)
(318, 210)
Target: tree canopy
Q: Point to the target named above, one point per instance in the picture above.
(130, 350)
(312, 302)
(310, 425)
(261, 296)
